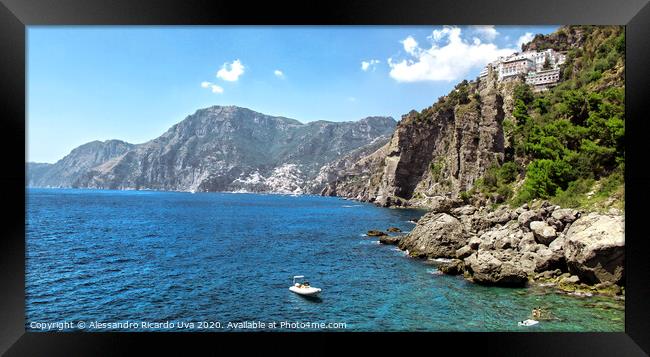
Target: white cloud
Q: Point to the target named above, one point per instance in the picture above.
(213, 87)
(231, 71)
(525, 38)
(449, 58)
(410, 45)
(487, 32)
(278, 73)
(371, 64)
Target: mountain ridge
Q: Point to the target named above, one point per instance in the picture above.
(218, 148)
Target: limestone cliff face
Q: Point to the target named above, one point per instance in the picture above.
(442, 150)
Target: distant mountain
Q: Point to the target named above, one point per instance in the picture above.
(35, 170)
(216, 149)
(67, 171)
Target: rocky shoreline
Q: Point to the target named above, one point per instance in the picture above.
(577, 252)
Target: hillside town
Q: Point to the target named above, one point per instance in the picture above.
(541, 69)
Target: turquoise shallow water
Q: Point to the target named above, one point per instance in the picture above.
(145, 256)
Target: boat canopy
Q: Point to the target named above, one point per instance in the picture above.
(298, 276)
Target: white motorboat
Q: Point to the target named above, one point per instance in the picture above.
(302, 287)
(528, 322)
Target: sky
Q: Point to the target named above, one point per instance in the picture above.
(88, 83)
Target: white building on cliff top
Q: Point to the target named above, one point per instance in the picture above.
(541, 68)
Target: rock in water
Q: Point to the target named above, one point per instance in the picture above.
(594, 248)
(389, 240)
(393, 229)
(436, 235)
(454, 267)
(375, 233)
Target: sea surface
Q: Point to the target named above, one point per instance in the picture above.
(157, 261)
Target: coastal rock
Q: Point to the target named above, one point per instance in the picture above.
(466, 210)
(573, 279)
(485, 268)
(547, 259)
(594, 248)
(390, 240)
(442, 204)
(566, 215)
(501, 216)
(464, 252)
(548, 274)
(526, 217)
(375, 233)
(436, 235)
(454, 267)
(557, 244)
(527, 261)
(393, 230)
(474, 242)
(543, 232)
(527, 243)
(523, 208)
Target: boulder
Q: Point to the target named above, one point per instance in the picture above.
(525, 218)
(543, 233)
(474, 242)
(522, 209)
(485, 268)
(454, 267)
(566, 215)
(548, 274)
(527, 243)
(390, 240)
(393, 230)
(555, 223)
(464, 252)
(547, 259)
(557, 243)
(466, 210)
(442, 204)
(527, 261)
(436, 235)
(501, 216)
(375, 233)
(573, 279)
(594, 248)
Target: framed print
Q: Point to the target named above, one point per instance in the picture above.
(428, 172)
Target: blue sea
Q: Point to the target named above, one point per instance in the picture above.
(158, 261)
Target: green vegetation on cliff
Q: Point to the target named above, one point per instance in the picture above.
(568, 141)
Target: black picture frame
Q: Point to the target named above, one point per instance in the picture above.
(15, 15)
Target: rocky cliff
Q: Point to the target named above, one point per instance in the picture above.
(218, 149)
(442, 150)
